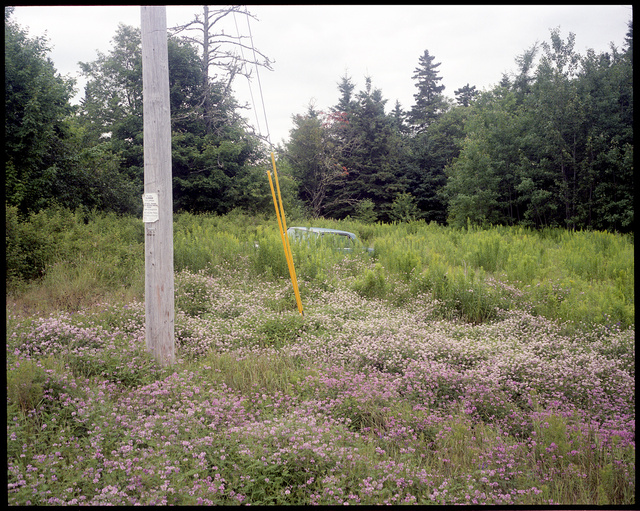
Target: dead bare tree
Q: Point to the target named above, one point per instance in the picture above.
(221, 51)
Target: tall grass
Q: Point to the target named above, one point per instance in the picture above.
(59, 257)
(571, 276)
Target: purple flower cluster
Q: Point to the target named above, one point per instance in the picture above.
(377, 404)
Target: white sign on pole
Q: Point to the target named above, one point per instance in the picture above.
(150, 207)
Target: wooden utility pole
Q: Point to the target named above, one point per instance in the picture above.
(158, 195)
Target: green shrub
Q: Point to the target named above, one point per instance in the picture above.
(32, 244)
(408, 262)
(366, 211)
(485, 250)
(73, 259)
(201, 242)
(404, 208)
(268, 258)
(373, 284)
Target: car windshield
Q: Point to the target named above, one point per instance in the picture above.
(337, 240)
(344, 241)
(321, 235)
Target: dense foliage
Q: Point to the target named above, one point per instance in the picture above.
(36, 104)
(91, 156)
(557, 151)
(551, 145)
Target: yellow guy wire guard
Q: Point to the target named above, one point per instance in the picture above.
(282, 225)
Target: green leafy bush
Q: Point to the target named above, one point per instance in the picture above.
(373, 283)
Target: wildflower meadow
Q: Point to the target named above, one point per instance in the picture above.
(450, 366)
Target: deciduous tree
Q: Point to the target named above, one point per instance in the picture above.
(317, 154)
(36, 108)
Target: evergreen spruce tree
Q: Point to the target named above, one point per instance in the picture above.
(399, 117)
(426, 173)
(369, 153)
(465, 95)
(430, 103)
(346, 102)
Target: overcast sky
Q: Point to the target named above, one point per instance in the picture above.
(314, 46)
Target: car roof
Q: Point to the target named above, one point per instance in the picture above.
(321, 230)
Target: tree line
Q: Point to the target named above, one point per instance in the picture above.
(550, 145)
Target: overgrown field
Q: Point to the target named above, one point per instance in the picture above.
(452, 366)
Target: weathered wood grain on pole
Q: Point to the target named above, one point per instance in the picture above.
(158, 198)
